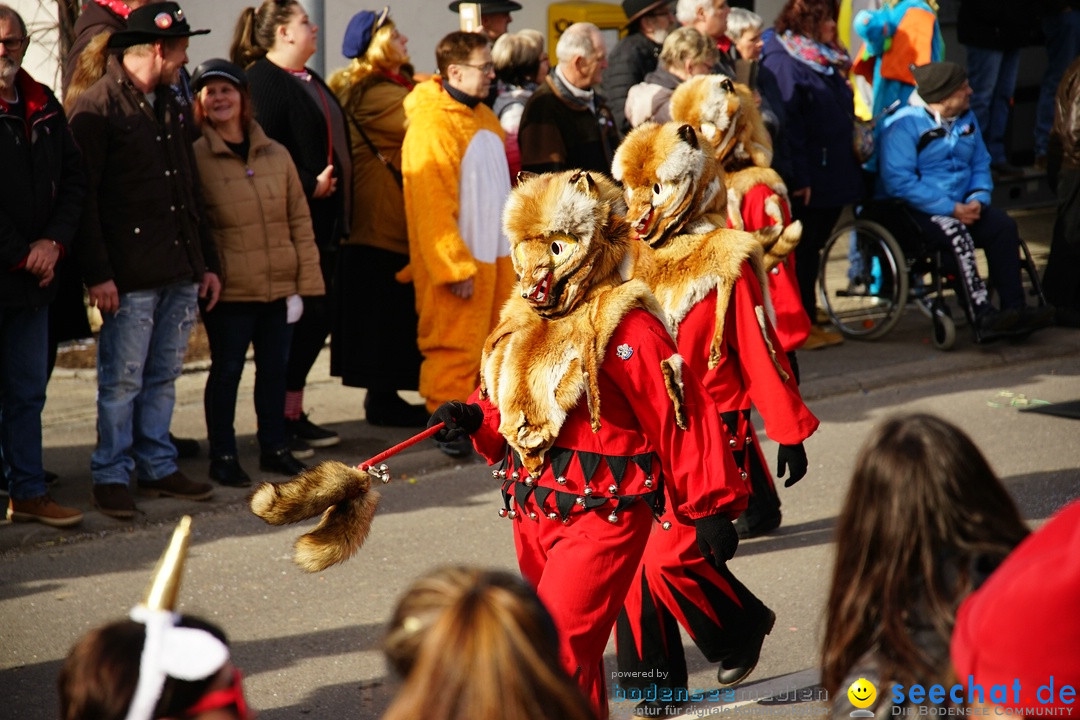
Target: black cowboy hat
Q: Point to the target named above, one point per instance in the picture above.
(494, 6)
(635, 9)
(155, 21)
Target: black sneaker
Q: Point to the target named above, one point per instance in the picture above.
(991, 324)
(300, 449)
(227, 471)
(281, 462)
(309, 432)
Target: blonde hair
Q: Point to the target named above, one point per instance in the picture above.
(684, 44)
(477, 644)
(517, 56)
(351, 80)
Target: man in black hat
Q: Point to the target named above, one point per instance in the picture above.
(494, 16)
(145, 253)
(648, 22)
(934, 159)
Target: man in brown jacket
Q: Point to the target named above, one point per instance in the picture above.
(145, 254)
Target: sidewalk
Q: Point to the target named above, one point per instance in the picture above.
(904, 356)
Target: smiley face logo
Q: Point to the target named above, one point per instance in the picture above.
(862, 693)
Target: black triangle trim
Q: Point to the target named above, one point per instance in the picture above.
(541, 494)
(565, 503)
(643, 461)
(592, 501)
(617, 464)
(522, 493)
(560, 460)
(589, 462)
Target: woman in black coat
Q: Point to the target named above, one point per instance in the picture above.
(296, 108)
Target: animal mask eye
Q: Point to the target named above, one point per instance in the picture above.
(657, 188)
(557, 247)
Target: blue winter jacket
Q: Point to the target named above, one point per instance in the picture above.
(819, 122)
(930, 166)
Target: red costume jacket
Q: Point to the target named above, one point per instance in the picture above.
(639, 449)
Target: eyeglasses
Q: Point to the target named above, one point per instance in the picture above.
(232, 696)
(486, 68)
(12, 44)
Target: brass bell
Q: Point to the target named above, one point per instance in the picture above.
(496, 474)
(580, 501)
(502, 512)
(731, 442)
(532, 516)
(553, 516)
(561, 480)
(612, 518)
(742, 474)
(648, 482)
(588, 491)
(613, 488)
(515, 475)
(512, 514)
(528, 480)
(666, 525)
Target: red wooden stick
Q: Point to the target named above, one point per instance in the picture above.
(401, 446)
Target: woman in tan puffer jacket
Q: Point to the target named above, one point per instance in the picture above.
(261, 225)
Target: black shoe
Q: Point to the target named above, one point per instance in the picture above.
(742, 662)
(311, 433)
(281, 462)
(1035, 318)
(114, 500)
(227, 471)
(177, 485)
(186, 448)
(657, 708)
(991, 324)
(758, 526)
(460, 448)
(390, 410)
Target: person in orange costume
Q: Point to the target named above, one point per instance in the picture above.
(455, 181)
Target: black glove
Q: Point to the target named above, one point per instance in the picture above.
(460, 419)
(793, 458)
(717, 537)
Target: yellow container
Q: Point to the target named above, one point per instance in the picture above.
(609, 17)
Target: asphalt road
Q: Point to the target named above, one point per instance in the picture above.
(309, 644)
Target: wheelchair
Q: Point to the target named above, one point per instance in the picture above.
(879, 264)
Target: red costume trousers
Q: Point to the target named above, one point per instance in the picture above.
(675, 586)
(581, 571)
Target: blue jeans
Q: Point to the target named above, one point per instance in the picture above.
(140, 354)
(992, 76)
(231, 327)
(24, 360)
(1062, 45)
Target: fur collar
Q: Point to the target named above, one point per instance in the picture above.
(535, 369)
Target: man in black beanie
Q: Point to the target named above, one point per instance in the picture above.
(934, 159)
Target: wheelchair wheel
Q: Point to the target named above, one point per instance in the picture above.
(863, 280)
(944, 332)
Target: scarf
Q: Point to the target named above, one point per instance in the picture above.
(821, 58)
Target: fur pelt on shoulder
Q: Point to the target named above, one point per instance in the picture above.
(739, 183)
(571, 251)
(683, 272)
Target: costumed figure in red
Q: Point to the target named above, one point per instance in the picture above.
(711, 283)
(595, 420)
(727, 121)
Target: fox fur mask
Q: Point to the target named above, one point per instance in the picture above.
(567, 234)
(672, 184)
(726, 115)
